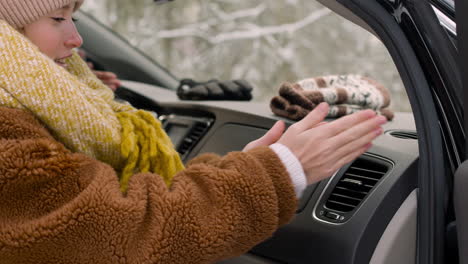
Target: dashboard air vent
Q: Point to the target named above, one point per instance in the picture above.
(193, 136)
(404, 134)
(356, 183)
(185, 131)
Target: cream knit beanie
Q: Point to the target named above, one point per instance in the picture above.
(19, 13)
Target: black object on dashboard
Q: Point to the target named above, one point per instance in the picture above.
(162, 1)
(238, 90)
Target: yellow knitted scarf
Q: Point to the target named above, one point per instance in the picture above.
(80, 111)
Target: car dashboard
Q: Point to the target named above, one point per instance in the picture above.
(339, 220)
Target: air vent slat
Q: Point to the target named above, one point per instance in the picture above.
(369, 171)
(195, 135)
(404, 134)
(362, 177)
(345, 196)
(342, 203)
(356, 183)
(353, 192)
(340, 207)
(197, 131)
(362, 189)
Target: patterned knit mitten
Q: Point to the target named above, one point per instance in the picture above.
(346, 94)
(337, 90)
(282, 107)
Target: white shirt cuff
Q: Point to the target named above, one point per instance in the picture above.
(293, 166)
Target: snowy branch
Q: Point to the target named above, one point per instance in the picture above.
(199, 29)
(264, 31)
(252, 12)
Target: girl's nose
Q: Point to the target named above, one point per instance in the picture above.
(74, 40)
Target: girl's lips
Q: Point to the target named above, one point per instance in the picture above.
(61, 62)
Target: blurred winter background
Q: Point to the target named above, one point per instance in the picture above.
(264, 42)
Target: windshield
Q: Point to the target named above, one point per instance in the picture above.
(263, 42)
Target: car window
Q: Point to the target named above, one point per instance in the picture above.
(263, 42)
(450, 3)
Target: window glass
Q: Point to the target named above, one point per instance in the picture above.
(451, 3)
(263, 42)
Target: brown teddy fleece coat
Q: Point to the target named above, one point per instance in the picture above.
(62, 207)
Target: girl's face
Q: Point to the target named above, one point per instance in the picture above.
(55, 34)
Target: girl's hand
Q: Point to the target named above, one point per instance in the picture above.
(323, 148)
(109, 79)
(273, 135)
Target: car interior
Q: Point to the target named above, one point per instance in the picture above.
(368, 211)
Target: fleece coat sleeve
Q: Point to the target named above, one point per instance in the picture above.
(62, 207)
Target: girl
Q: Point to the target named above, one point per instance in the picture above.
(60, 129)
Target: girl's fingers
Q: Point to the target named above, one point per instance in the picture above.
(112, 82)
(271, 137)
(354, 146)
(351, 156)
(315, 117)
(105, 75)
(338, 126)
(113, 87)
(109, 79)
(349, 151)
(358, 131)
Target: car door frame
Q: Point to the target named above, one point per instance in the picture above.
(461, 175)
(416, 47)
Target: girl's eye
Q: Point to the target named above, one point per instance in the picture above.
(58, 19)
